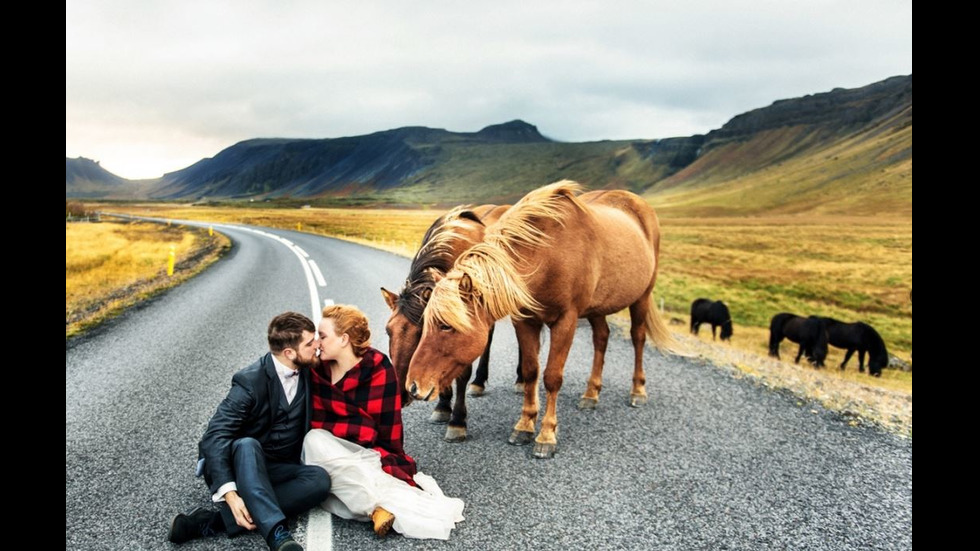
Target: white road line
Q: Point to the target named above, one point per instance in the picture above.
(311, 281)
(319, 529)
(319, 532)
(317, 274)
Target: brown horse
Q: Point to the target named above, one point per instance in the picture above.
(444, 241)
(551, 259)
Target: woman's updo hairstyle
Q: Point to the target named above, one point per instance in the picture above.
(348, 319)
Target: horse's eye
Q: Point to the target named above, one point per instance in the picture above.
(445, 327)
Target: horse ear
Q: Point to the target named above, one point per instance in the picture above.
(426, 294)
(390, 298)
(466, 285)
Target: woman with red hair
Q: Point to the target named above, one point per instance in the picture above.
(357, 436)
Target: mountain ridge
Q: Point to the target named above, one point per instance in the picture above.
(780, 155)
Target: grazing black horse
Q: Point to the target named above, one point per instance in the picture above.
(714, 312)
(810, 333)
(862, 338)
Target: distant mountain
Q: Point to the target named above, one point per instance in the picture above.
(331, 167)
(86, 178)
(843, 151)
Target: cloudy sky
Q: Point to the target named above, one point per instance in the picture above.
(152, 86)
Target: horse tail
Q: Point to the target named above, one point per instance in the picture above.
(776, 334)
(658, 332)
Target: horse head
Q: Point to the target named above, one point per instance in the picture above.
(726, 330)
(403, 334)
(454, 334)
(877, 354)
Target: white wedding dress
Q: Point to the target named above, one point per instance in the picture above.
(358, 485)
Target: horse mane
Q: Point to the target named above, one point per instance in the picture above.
(433, 259)
(488, 271)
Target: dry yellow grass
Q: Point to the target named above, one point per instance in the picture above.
(397, 230)
(111, 265)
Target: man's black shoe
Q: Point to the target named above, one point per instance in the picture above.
(195, 524)
(281, 540)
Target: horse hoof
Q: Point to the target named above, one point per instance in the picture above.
(520, 437)
(455, 434)
(476, 390)
(587, 404)
(544, 451)
(439, 417)
(637, 400)
(519, 388)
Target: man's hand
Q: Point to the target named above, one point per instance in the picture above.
(237, 506)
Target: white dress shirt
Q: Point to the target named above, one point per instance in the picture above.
(289, 379)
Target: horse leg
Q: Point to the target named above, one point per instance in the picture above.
(713, 335)
(444, 408)
(861, 360)
(456, 431)
(479, 384)
(529, 338)
(847, 357)
(799, 354)
(519, 381)
(600, 338)
(562, 333)
(638, 334)
(695, 327)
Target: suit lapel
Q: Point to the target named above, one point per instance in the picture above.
(272, 388)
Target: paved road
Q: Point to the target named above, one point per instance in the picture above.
(711, 463)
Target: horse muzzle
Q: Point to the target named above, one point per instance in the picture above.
(420, 395)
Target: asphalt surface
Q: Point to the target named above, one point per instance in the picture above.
(712, 462)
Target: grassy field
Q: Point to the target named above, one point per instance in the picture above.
(847, 267)
(111, 265)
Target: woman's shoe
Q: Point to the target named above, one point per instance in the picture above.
(382, 521)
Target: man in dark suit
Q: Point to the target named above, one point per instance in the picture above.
(251, 448)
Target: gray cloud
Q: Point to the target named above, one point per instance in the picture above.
(152, 86)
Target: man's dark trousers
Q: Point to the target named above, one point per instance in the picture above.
(254, 439)
(272, 490)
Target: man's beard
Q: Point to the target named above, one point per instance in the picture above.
(300, 363)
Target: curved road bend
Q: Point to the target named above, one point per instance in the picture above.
(711, 463)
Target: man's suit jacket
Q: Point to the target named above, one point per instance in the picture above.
(247, 411)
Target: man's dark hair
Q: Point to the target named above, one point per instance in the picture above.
(286, 331)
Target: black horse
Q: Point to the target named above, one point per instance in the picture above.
(862, 338)
(810, 333)
(714, 312)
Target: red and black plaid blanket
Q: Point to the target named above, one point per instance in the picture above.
(365, 407)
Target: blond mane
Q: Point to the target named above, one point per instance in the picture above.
(488, 272)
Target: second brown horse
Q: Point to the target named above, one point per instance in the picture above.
(553, 258)
(445, 240)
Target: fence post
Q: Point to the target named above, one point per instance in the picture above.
(170, 260)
